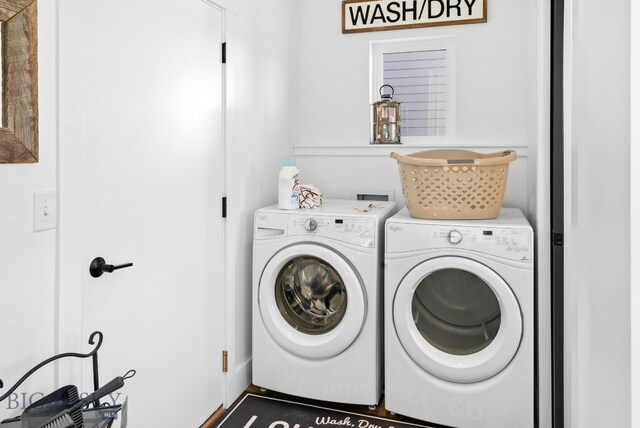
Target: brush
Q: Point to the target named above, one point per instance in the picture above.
(72, 418)
(53, 404)
(63, 421)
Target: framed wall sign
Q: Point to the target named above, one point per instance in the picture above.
(378, 15)
(19, 98)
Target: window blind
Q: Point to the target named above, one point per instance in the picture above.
(420, 82)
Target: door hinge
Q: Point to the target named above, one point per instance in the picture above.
(225, 361)
(224, 207)
(558, 239)
(224, 52)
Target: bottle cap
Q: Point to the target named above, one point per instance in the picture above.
(290, 161)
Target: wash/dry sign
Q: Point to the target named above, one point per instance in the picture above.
(378, 15)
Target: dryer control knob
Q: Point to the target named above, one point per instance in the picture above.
(455, 237)
(311, 225)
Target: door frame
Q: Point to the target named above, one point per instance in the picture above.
(557, 211)
(635, 213)
(68, 279)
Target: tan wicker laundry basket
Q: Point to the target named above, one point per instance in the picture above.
(454, 184)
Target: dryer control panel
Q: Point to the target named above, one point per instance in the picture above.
(508, 243)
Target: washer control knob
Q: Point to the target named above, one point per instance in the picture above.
(455, 237)
(311, 225)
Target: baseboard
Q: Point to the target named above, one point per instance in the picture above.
(236, 382)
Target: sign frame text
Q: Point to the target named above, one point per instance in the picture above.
(360, 16)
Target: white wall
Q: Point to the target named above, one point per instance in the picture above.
(263, 99)
(496, 97)
(494, 62)
(635, 212)
(597, 243)
(27, 259)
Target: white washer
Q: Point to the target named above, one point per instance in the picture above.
(459, 320)
(317, 287)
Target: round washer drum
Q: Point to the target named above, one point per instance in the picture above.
(311, 301)
(457, 319)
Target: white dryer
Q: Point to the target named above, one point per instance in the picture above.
(459, 320)
(317, 289)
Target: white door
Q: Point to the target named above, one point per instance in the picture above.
(141, 174)
(457, 319)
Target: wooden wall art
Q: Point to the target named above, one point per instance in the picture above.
(19, 131)
(380, 15)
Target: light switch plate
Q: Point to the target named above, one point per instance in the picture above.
(45, 210)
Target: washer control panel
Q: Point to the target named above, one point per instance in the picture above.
(508, 243)
(353, 230)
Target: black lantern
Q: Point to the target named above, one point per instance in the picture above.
(385, 119)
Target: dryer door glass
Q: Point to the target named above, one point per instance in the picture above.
(310, 295)
(456, 311)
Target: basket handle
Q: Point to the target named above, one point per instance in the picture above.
(497, 158)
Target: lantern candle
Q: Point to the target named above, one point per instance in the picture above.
(386, 119)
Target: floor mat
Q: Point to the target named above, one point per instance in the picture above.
(255, 411)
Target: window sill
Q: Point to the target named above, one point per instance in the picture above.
(403, 149)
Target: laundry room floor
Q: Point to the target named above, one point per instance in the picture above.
(379, 411)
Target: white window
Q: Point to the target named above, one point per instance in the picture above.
(422, 72)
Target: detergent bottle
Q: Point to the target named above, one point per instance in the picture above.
(288, 180)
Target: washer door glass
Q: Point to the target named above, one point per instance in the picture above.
(312, 302)
(311, 295)
(457, 319)
(456, 311)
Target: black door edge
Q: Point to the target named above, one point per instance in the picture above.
(557, 213)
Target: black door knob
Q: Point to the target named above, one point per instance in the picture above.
(98, 266)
